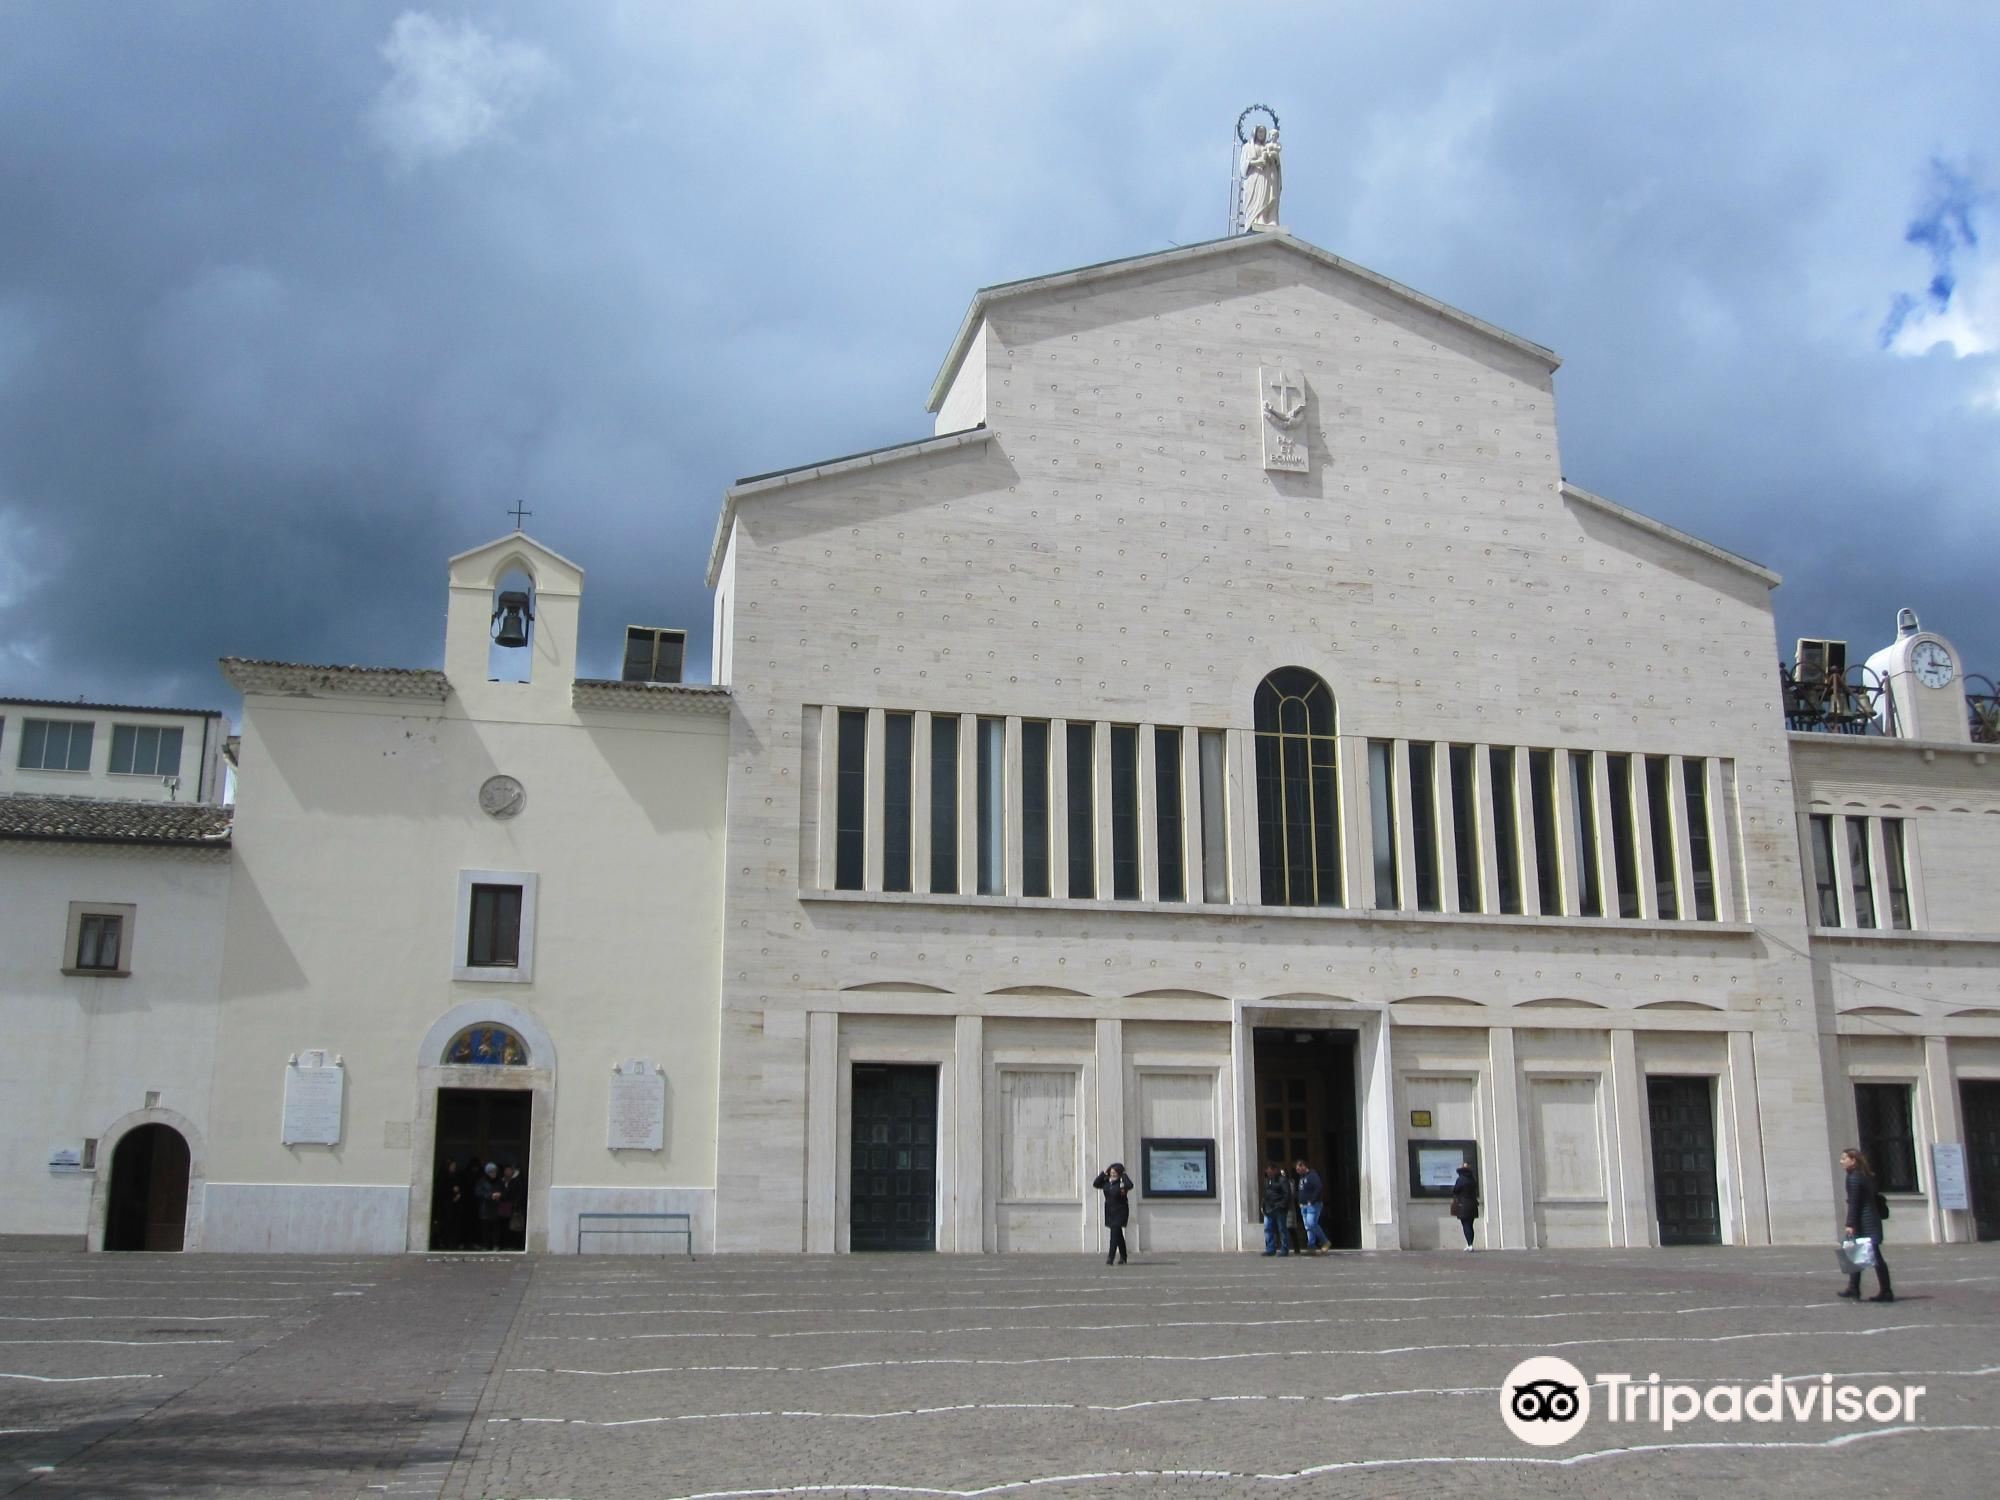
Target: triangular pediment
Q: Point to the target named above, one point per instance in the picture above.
(481, 567)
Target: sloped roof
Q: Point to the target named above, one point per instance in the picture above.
(1672, 534)
(1238, 244)
(99, 820)
(649, 697)
(304, 680)
(109, 708)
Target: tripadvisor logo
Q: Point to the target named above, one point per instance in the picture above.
(1545, 1401)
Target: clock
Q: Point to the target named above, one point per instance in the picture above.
(1933, 664)
(501, 797)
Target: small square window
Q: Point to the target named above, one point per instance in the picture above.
(98, 937)
(98, 941)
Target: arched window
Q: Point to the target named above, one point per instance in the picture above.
(1298, 791)
(488, 1047)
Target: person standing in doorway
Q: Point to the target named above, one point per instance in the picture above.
(1117, 1188)
(1311, 1192)
(1465, 1200)
(1277, 1202)
(1864, 1222)
(514, 1200)
(469, 1179)
(492, 1206)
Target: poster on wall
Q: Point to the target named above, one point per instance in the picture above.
(1178, 1168)
(1434, 1166)
(1948, 1175)
(315, 1088)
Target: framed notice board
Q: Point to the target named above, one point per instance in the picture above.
(1434, 1166)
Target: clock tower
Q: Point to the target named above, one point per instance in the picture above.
(1920, 673)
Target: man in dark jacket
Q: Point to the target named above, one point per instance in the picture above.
(1277, 1203)
(1312, 1199)
(1116, 1187)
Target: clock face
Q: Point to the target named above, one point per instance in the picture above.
(1933, 664)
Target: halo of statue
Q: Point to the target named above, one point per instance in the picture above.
(1241, 138)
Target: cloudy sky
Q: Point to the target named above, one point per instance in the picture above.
(296, 300)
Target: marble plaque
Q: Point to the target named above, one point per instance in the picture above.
(1281, 403)
(314, 1091)
(638, 1115)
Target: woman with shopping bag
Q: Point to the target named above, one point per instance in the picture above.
(1861, 1238)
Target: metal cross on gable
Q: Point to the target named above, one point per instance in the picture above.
(517, 513)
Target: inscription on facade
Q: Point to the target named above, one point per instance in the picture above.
(1281, 403)
(638, 1112)
(315, 1088)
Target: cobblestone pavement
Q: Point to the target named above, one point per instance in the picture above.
(923, 1375)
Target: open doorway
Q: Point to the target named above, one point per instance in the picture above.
(148, 1200)
(1305, 1110)
(470, 1208)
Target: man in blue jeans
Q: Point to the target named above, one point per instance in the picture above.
(1276, 1203)
(1312, 1197)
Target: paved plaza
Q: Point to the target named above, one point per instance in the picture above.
(927, 1375)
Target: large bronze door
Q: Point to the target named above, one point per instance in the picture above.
(1684, 1189)
(892, 1185)
(1981, 1103)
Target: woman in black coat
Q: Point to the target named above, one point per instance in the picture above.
(1864, 1220)
(1116, 1187)
(1465, 1201)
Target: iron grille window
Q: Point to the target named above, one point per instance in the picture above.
(55, 744)
(494, 932)
(897, 730)
(944, 805)
(1124, 812)
(1169, 814)
(99, 940)
(1882, 1113)
(1298, 795)
(1034, 807)
(850, 799)
(145, 750)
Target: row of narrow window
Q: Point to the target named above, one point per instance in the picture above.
(1847, 862)
(1621, 854)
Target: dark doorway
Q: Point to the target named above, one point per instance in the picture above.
(474, 1127)
(892, 1191)
(1683, 1123)
(148, 1197)
(1306, 1111)
(1981, 1103)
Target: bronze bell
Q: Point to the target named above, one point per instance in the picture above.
(512, 619)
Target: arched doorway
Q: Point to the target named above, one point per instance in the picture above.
(147, 1204)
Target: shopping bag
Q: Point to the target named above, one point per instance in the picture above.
(1856, 1254)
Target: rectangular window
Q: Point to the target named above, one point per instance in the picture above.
(1896, 857)
(1423, 822)
(1548, 867)
(145, 750)
(1857, 872)
(1080, 777)
(1465, 827)
(1826, 889)
(1506, 831)
(1382, 819)
(1214, 817)
(495, 928)
(55, 744)
(1583, 788)
(1701, 848)
(897, 732)
(1169, 814)
(1124, 812)
(992, 767)
(944, 804)
(850, 799)
(1660, 817)
(653, 655)
(1882, 1117)
(99, 940)
(1622, 827)
(1034, 807)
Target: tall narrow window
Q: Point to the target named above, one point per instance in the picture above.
(1382, 819)
(1506, 830)
(850, 799)
(1883, 1121)
(97, 940)
(1660, 815)
(992, 768)
(1080, 785)
(1124, 812)
(1857, 871)
(897, 730)
(1896, 856)
(1548, 867)
(1701, 846)
(1214, 816)
(944, 804)
(494, 932)
(1621, 828)
(1169, 813)
(1034, 807)
(1826, 889)
(1583, 787)
(1298, 800)
(1423, 823)
(1465, 827)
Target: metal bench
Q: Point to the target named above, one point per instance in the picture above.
(680, 1224)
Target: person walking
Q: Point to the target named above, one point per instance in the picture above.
(1311, 1191)
(1465, 1200)
(1864, 1221)
(1116, 1187)
(1277, 1203)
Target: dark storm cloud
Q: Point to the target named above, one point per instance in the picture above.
(297, 301)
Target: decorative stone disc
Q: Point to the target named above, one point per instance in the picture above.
(502, 796)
